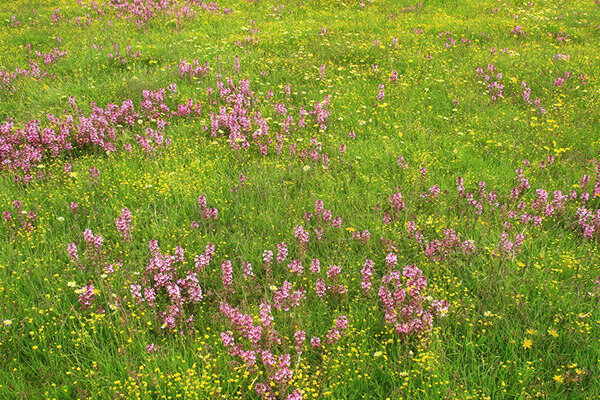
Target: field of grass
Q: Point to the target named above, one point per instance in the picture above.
(315, 199)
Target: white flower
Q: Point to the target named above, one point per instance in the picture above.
(306, 167)
(60, 219)
(6, 322)
(71, 284)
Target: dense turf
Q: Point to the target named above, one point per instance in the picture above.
(285, 200)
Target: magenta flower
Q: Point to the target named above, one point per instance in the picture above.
(123, 223)
(227, 276)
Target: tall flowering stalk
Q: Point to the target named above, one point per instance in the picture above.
(367, 274)
(227, 277)
(123, 223)
(404, 303)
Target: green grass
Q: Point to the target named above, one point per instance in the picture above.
(520, 325)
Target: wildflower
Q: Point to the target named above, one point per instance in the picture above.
(527, 343)
(282, 252)
(299, 338)
(367, 273)
(227, 276)
(315, 266)
(315, 341)
(7, 322)
(72, 251)
(151, 348)
(123, 223)
(87, 296)
(381, 93)
(247, 269)
(302, 237)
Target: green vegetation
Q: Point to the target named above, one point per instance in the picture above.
(299, 199)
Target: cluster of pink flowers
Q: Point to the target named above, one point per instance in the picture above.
(339, 329)
(527, 100)
(166, 282)
(193, 70)
(414, 233)
(432, 193)
(52, 56)
(323, 219)
(227, 276)
(401, 162)
(282, 252)
(507, 248)
(7, 78)
(493, 80)
(588, 222)
(94, 244)
(22, 221)
(404, 304)
(72, 252)
(522, 185)
(517, 31)
(87, 296)
(367, 273)
(21, 150)
(363, 236)
(203, 260)
(122, 58)
(438, 250)
(397, 205)
(302, 238)
(254, 346)
(238, 117)
(447, 36)
(142, 11)
(93, 241)
(209, 213)
(123, 223)
(285, 298)
(381, 93)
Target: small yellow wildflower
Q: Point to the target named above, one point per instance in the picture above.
(527, 343)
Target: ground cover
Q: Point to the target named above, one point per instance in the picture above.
(298, 200)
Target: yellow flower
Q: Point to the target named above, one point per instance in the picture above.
(552, 332)
(559, 378)
(527, 343)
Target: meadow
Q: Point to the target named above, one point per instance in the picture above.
(306, 199)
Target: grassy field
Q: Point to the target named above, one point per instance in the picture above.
(293, 200)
